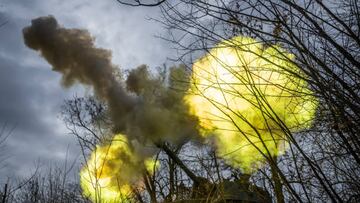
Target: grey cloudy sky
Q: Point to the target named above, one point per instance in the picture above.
(30, 93)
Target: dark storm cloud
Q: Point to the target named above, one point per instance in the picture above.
(30, 106)
(21, 91)
(27, 105)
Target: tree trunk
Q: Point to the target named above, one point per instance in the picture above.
(277, 182)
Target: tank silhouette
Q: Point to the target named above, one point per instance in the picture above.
(237, 191)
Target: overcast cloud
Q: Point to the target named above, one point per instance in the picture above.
(30, 93)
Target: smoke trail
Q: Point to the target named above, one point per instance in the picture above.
(72, 52)
(141, 115)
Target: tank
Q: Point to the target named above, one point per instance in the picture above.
(237, 191)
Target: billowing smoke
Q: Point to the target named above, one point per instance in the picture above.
(72, 53)
(142, 107)
(139, 110)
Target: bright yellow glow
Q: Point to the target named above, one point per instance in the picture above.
(242, 91)
(113, 171)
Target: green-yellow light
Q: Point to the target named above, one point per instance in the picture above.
(113, 171)
(244, 94)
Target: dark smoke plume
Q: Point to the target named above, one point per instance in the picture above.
(145, 110)
(72, 52)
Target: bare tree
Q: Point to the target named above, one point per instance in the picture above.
(324, 37)
(321, 164)
(141, 3)
(5, 132)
